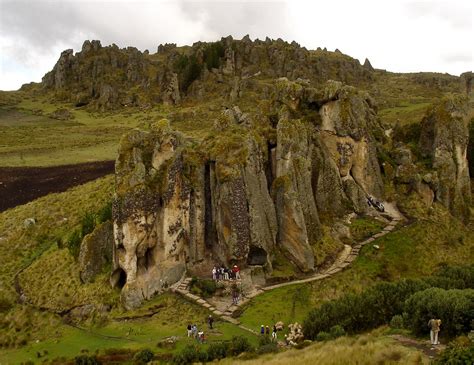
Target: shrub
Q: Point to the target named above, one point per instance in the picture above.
(454, 307)
(105, 213)
(204, 287)
(337, 331)
(212, 55)
(239, 344)
(188, 69)
(323, 336)
(396, 321)
(88, 223)
(268, 348)
(457, 354)
(217, 350)
(190, 354)
(73, 243)
(143, 357)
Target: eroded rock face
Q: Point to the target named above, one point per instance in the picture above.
(156, 211)
(238, 197)
(444, 139)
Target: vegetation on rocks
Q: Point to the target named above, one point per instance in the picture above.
(251, 152)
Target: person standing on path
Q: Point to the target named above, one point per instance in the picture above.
(210, 321)
(189, 330)
(262, 330)
(236, 272)
(435, 326)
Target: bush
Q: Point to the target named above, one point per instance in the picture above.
(86, 360)
(88, 223)
(190, 354)
(73, 243)
(239, 344)
(337, 331)
(378, 305)
(203, 287)
(323, 336)
(457, 354)
(105, 213)
(143, 357)
(268, 348)
(212, 55)
(217, 350)
(454, 307)
(188, 70)
(396, 321)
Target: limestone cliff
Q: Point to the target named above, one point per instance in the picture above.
(239, 195)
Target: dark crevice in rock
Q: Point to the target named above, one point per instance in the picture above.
(149, 261)
(209, 228)
(269, 165)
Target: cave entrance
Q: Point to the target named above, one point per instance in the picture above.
(118, 278)
(257, 256)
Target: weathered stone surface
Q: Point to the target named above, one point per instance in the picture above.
(96, 251)
(444, 139)
(238, 196)
(299, 225)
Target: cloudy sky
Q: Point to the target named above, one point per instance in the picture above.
(397, 35)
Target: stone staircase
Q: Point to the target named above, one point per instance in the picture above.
(347, 256)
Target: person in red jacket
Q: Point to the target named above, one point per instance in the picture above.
(236, 272)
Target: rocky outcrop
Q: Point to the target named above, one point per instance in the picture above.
(238, 196)
(109, 77)
(444, 140)
(96, 252)
(299, 225)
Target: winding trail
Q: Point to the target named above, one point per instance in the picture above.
(345, 258)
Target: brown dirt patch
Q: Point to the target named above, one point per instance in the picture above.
(20, 185)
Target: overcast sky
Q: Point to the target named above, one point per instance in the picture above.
(397, 35)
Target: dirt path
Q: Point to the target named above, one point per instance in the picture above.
(20, 185)
(345, 258)
(423, 346)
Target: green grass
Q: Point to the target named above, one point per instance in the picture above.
(365, 227)
(56, 215)
(405, 113)
(29, 137)
(171, 320)
(409, 252)
(373, 348)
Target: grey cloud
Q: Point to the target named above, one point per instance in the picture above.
(459, 57)
(259, 19)
(457, 14)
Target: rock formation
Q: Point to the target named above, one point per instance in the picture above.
(444, 140)
(238, 197)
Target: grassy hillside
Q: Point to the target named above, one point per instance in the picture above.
(416, 250)
(163, 317)
(373, 348)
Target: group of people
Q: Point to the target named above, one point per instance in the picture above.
(265, 331)
(199, 335)
(223, 273)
